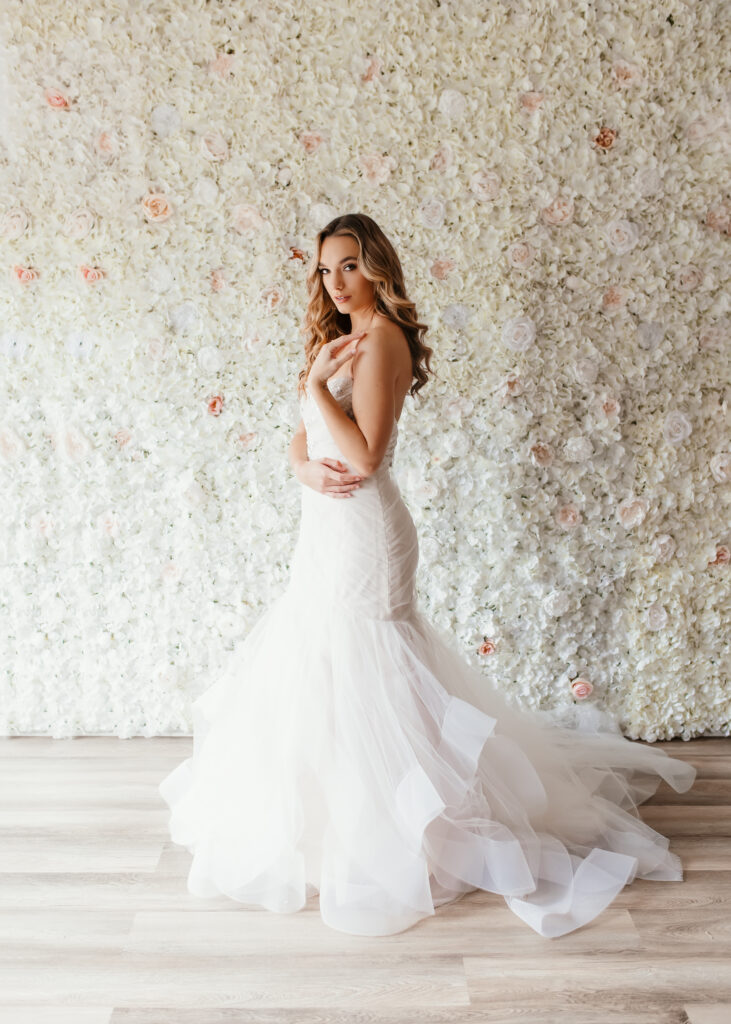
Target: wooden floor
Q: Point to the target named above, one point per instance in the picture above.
(97, 927)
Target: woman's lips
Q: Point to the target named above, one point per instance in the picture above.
(344, 298)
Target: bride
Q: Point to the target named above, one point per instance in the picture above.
(349, 751)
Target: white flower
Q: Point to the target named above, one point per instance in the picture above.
(556, 603)
(210, 359)
(656, 617)
(677, 427)
(649, 335)
(586, 370)
(622, 236)
(164, 120)
(519, 333)
(457, 316)
(433, 211)
(663, 547)
(452, 103)
(578, 449)
(720, 466)
(485, 185)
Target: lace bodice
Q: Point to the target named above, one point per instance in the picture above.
(320, 442)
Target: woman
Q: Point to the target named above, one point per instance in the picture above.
(349, 750)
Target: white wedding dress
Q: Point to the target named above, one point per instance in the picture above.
(350, 750)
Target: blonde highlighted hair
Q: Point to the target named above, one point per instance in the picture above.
(377, 261)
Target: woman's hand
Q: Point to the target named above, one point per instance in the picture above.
(328, 476)
(332, 355)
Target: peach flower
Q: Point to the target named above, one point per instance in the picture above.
(723, 555)
(605, 138)
(273, 297)
(25, 275)
(632, 511)
(90, 275)
(156, 207)
(248, 440)
(215, 405)
(511, 387)
(487, 647)
(373, 70)
(218, 279)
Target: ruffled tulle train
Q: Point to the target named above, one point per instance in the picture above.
(364, 759)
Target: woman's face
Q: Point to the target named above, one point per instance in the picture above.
(341, 276)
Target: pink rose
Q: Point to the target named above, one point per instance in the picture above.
(247, 218)
(440, 268)
(311, 141)
(487, 647)
(581, 688)
(541, 454)
(511, 387)
(442, 159)
(106, 145)
(215, 405)
(377, 168)
(615, 299)
(688, 278)
(56, 99)
(221, 65)
(718, 217)
(568, 516)
(531, 101)
(558, 212)
(626, 75)
(520, 254)
(485, 185)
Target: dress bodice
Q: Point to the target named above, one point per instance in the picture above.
(320, 442)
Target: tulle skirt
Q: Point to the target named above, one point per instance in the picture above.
(365, 760)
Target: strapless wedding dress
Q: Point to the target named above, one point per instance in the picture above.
(350, 750)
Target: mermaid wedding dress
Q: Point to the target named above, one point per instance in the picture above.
(349, 750)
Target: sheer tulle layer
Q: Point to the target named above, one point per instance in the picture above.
(365, 760)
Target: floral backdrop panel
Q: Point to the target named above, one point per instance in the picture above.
(555, 179)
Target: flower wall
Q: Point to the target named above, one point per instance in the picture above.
(554, 177)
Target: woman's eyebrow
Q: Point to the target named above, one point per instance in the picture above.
(345, 259)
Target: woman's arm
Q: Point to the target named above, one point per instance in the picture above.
(298, 449)
(364, 442)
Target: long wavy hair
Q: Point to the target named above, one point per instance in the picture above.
(377, 260)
